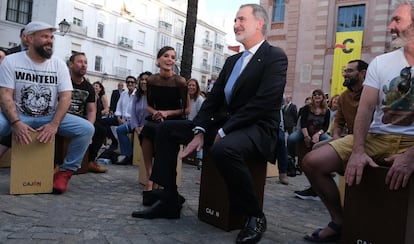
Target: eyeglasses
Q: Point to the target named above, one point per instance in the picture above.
(349, 70)
(317, 94)
(130, 81)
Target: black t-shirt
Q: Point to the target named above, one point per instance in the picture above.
(81, 95)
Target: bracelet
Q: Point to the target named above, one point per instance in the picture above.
(14, 122)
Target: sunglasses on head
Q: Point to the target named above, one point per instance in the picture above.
(405, 83)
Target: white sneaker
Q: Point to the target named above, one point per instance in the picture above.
(121, 158)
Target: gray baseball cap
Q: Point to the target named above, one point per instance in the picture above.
(34, 26)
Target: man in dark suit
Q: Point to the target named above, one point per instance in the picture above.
(240, 122)
(290, 115)
(115, 97)
(19, 48)
(22, 46)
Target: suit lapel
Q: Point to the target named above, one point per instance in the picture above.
(250, 67)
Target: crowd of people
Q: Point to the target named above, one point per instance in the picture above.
(242, 117)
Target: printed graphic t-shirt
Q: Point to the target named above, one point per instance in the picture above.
(36, 85)
(394, 114)
(82, 94)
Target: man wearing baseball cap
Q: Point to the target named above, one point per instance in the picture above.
(35, 94)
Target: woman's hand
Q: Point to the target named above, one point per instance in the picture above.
(138, 130)
(315, 137)
(160, 116)
(307, 139)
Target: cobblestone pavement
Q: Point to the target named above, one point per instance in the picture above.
(97, 209)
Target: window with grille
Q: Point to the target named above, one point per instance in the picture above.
(278, 11)
(100, 30)
(141, 38)
(78, 17)
(351, 18)
(98, 63)
(19, 11)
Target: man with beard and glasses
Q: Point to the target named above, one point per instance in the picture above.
(348, 102)
(383, 134)
(35, 94)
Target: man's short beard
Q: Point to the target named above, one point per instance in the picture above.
(43, 53)
(404, 37)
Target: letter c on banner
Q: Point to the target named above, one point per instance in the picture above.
(345, 50)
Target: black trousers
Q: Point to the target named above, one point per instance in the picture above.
(107, 123)
(97, 140)
(229, 153)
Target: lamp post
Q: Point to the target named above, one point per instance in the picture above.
(64, 27)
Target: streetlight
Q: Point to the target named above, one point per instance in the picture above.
(64, 27)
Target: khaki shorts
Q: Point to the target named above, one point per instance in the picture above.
(377, 146)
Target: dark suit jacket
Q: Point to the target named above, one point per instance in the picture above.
(114, 100)
(290, 115)
(255, 101)
(15, 49)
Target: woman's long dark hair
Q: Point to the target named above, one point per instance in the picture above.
(140, 93)
(102, 92)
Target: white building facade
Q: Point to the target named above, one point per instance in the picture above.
(119, 38)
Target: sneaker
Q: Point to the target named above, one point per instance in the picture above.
(307, 194)
(121, 158)
(60, 181)
(95, 168)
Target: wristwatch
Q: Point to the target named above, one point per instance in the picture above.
(198, 131)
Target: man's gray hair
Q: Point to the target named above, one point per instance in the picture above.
(405, 2)
(260, 13)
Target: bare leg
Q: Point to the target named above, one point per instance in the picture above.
(318, 165)
(147, 153)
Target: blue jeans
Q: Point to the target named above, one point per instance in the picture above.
(296, 137)
(78, 129)
(282, 159)
(124, 142)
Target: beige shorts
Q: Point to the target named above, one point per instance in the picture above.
(377, 146)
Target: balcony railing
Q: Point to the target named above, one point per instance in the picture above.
(216, 69)
(79, 30)
(125, 42)
(163, 25)
(205, 67)
(122, 72)
(218, 47)
(207, 44)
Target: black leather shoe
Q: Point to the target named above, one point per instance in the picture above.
(253, 230)
(150, 197)
(159, 210)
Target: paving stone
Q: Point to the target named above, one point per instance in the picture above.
(97, 209)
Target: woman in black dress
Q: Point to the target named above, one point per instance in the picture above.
(167, 99)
